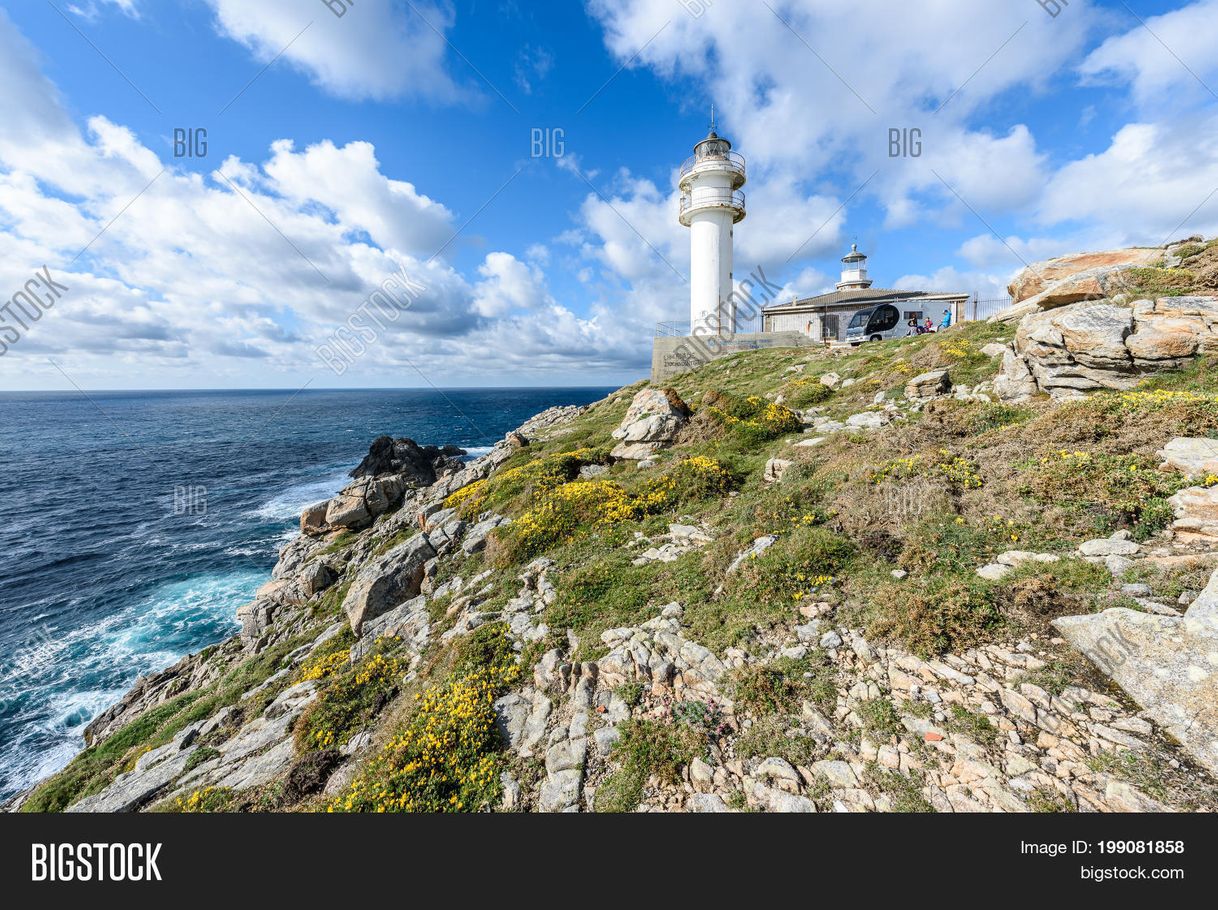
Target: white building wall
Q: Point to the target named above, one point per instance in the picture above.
(795, 322)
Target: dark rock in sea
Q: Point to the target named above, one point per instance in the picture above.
(420, 464)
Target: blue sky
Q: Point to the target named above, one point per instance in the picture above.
(396, 140)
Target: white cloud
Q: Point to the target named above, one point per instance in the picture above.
(91, 9)
(378, 49)
(1151, 182)
(985, 251)
(509, 284)
(987, 285)
(814, 124)
(1170, 55)
(238, 276)
(349, 182)
(874, 65)
(533, 64)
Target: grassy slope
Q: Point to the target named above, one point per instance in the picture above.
(936, 495)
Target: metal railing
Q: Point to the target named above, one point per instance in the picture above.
(733, 161)
(723, 197)
(672, 329)
(744, 326)
(978, 309)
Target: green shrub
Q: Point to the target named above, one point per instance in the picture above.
(647, 747)
(780, 687)
(905, 793)
(631, 693)
(806, 393)
(486, 646)
(806, 558)
(1117, 491)
(199, 756)
(775, 736)
(937, 547)
(932, 615)
(1152, 281)
(968, 723)
(880, 718)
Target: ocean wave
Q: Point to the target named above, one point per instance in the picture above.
(56, 683)
(288, 505)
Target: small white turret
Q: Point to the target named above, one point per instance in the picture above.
(854, 270)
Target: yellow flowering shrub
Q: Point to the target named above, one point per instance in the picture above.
(448, 756)
(544, 473)
(961, 472)
(754, 420)
(207, 799)
(1157, 398)
(586, 505)
(469, 499)
(1113, 490)
(350, 697)
(325, 665)
(535, 477)
(958, 348)
(560, 513)
(1186, 413)
(697, 477)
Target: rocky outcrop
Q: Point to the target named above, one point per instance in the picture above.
(387, 581)
(1082, 347)
(928, 385)
(391, 468)
(776, 469)
(1196, 511)
(1191, 457)
(652, 422)
(191, 672)
(1168, 665)
(1077, 277)
(416, 465)
(245, 756)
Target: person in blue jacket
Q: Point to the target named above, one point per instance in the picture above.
(947, 320)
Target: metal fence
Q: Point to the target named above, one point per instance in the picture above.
(978, 308)
(672, 329)
(744, 326)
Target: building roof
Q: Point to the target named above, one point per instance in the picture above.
(859, 297)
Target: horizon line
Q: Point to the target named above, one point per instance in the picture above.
(289, 389)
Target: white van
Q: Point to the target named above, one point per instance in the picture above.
(877, 323)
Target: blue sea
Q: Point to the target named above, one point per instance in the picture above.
(133, 524)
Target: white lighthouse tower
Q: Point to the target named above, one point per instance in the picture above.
(711, 203)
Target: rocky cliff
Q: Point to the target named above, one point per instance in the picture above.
(1108, 320)
(796, 581)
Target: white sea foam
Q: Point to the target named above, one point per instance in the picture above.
(62, 681)
(288, 505)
